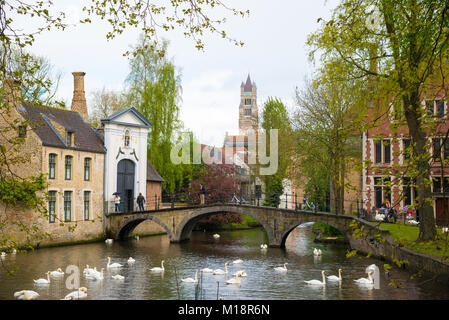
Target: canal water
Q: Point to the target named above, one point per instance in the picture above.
(181, 261)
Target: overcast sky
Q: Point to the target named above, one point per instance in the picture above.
(274, 55)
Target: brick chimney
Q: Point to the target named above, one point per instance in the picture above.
(12, 91)
(79, 97)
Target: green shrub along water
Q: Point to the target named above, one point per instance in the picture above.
(327, 230)
(247, 222)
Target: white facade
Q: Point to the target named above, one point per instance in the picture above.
(125, 137)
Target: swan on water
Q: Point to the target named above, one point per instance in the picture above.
(263, 246)
(284, 268)
(118, 277)
(43, 281)
(237, 261)
(316, 252)
(221, 272)
(240, 273)
(26, 295)
(191, 280)
(235, 280)
(113, 265)
(368, 280)
(216, 236)
(335, 278)
(57, 273)
(317, 282)
(96, 275)
(159, 269)
(137, 238)
(78, 294)
(3, 254)
(131, 260)
(207, 270)
(109, 241)
(88, 270)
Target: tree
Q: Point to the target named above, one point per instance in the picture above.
(401, 48)
(105, 103)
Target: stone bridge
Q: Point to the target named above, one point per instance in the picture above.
(179, 222)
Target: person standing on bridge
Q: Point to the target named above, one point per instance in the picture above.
(117, 202)
(141, 201)
(202, 194)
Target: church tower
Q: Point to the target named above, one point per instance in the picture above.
(248, 112)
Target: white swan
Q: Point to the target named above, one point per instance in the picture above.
(113, 265)
(3, 254)
(365, 280)
(43, 281)
(26, 295)
(335, 278)
(316, 252)
(207, 270)
(57, 273)
(284, 268)
(118, 277)
(237, 261)
(317, 282)
(137, 238)
(240, 273)
(78, 294)
(190, 279)
(14, 251)
(131, 260)
(221, 272)
(216, 236)
(263, 246)
(96, 275)
(235, 280)
(88, 270)
(109, 241)
(159, 269)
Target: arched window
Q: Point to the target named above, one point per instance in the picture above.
(127, 138)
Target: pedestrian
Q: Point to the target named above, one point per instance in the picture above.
(141, 201)
(117, 202)
(202, 194)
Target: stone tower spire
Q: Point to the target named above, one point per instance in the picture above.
(79, 97)
(248, 111)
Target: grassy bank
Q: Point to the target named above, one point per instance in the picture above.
(247, 223)
(407, 235)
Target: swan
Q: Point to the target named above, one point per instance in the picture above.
(88, 270)
(316, 252)
(216, 236)
(240, 273)
(3, 254)
(43, 281)
(159, 269)
(207, 270)
(284, 268)
(190, 279)
(78, 294)
(14, 251)
(118, 277)
(237, 261)
(365, 280)
(220, 272)
(113, 265)
(96, 275)
(131, 260)
(26, 295)
(57, 273)
(137, 238)
(234, 281)
(317, 282)
(109, 241)
(335, 278)
(263, 246)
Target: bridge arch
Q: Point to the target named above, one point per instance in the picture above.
(129, 225)
(185, 227)
(291, 227)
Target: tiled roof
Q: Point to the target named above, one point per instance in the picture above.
(41, 118)
(152, 174)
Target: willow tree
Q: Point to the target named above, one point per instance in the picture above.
(401, 46)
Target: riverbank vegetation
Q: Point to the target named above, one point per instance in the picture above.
(228, 221)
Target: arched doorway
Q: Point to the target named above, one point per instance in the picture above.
(125, 184)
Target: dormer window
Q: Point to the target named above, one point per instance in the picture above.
(127, 138)
(69, 139)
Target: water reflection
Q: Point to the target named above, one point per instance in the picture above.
(182, 261)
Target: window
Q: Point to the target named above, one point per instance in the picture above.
(22, 131)
(87, 169)
(382, 190)
(406, 145)
(127, 139)
(436, 143)
(247, 112)
(383, 151)
(51, 206)
(68, 138)
(68, 167)
(67, 206)
(429, 107)
(440, 108)
(52, 166)
(409, 191)
(435, 108)
(247, 101)
(86, 204)
(437, 184)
